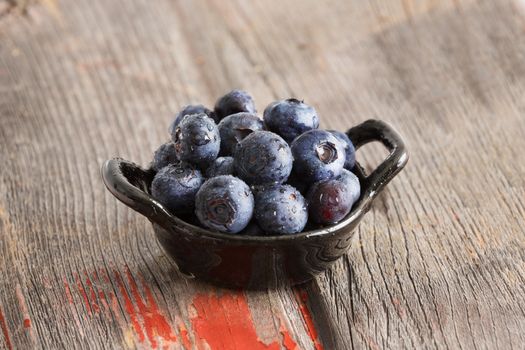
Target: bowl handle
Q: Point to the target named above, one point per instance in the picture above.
(129, 183)
(376, 130)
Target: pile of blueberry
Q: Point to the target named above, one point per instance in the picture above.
(240, 174)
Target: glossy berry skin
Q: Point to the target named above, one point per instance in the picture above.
(224, 203)
(188, 110)
(330, 201)
(351, 183)
(235, 127)
(175, 187)
(220, 166)
(348, 146)
(163, 156)
(280, 210)
(197, 140)
(263, 158)
(290, 118)
(233, 102)
(318, 156)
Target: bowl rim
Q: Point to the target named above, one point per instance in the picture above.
(371, 130)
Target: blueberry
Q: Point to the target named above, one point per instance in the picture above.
(163, 156)
(221, 166)
(318, 155)
(234, 128)
(348, 146)
(351, 183)
(188, 110)
(280, 209)
(290, 118)
(263, 157)
(233, 102)
(224, 203)
(176, 185)
(197, 140)
(299, 183)
(331, 200)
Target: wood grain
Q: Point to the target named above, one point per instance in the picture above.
(438, 262)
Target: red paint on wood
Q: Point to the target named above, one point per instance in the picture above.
(155, 324)
(113, 302)
(103, 300)
(68, 292)
(225, 322)
(104, 275)
(92, 294)
(94, 276)
(129, 307)
(5, 330)
(83, 293)
(185, 339)
(23, 306)
(69, 297)
(288, 342)
(302, 298)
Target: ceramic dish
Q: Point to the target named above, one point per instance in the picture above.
(257, 262)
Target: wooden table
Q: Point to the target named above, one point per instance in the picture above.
(438, 263)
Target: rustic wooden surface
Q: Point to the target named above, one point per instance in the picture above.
(438, 263)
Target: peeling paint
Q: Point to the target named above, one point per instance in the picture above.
(155, 324)
(23, 308)
(302, 298)
(69, 296)
(288, 342)
(92, 294)
(225, 322)
(129, 308)
(83, 294)
(5, 330)
(184, 336)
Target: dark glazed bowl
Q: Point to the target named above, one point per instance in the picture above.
(256, 262)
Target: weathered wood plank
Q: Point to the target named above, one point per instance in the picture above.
(79, 85)
(439, 261)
